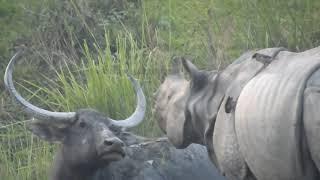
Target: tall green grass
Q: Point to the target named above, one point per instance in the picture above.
(218, 31)
(100, 81)
(22, 156)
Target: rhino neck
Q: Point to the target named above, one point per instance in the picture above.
(63, 170)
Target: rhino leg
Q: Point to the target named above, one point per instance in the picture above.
(311, 118)
(230, 160)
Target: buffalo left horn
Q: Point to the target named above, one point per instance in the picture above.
(138, 115)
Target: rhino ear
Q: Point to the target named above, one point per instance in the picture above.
(193, 71)
(199, 78)
(46, 131)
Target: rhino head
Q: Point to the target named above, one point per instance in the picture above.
(181, 104)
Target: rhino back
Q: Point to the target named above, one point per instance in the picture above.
(269, 118)
(225, 144)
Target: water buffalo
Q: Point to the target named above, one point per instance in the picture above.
(88, 138)
(258, 117)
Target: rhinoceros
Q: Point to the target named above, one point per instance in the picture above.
(258, 117)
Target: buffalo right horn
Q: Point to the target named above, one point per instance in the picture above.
(63, 117)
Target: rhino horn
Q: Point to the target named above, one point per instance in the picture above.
(193, 71)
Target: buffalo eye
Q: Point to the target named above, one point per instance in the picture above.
(82, 124)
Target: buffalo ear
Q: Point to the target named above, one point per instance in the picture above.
(46, 131)
(193, 71)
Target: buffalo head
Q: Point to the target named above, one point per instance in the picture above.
(89, 139)
(180, 106)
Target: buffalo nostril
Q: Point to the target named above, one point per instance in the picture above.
(121, 143)
(113, 142)
(108, 143)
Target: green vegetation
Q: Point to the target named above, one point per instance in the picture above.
(100, 80)
(81, 51)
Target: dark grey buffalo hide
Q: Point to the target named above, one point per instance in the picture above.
(159, 160)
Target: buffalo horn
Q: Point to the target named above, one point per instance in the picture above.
(137, 117)
(38, 113)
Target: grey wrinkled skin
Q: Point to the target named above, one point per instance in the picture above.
(201, 101)
(258, 117)
(159, 160)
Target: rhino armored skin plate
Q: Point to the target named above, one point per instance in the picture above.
(258, 117)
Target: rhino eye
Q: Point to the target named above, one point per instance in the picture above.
(82, 124)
